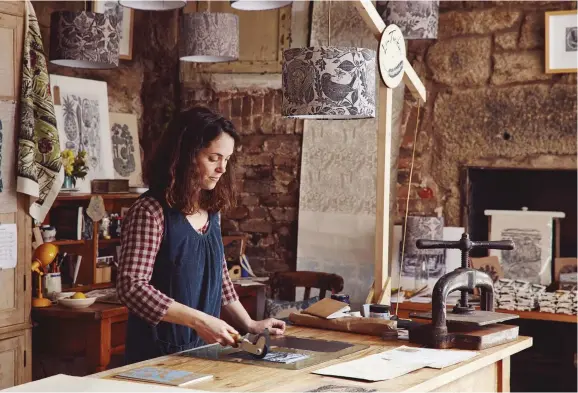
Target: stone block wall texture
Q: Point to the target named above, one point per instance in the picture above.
(490, 102)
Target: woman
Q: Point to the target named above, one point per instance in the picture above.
(172, 271)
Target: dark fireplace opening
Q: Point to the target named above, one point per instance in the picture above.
(513, 189)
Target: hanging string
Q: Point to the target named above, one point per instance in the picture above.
(407, 208)
(329, 22)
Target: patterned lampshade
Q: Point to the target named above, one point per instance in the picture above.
(430, 228)
(258, 5)
(153, 5)
(209, 37)
(418, 20)
(328, 83)
(83, 40)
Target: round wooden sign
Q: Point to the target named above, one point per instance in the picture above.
(391, 55)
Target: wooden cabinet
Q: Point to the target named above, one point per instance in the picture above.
(15, 295)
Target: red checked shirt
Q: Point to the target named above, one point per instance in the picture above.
(141, 236)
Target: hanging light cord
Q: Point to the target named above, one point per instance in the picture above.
(329, 22)
(407, 208)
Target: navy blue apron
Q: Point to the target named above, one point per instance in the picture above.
(188, 268)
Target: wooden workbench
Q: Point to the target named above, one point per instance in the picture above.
(489, 371)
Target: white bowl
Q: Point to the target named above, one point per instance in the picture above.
(77, 303)
(60, 295)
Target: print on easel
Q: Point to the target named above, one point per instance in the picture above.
(524, 261)
(81, 127)
(83, 124)
(125, 148)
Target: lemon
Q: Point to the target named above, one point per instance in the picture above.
(78, 295)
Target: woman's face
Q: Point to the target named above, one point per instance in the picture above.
(212, 160)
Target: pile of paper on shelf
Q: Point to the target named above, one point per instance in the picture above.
(517, 295)
(561, 302)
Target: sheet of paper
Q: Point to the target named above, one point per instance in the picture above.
(436, 358)
(68, 383)
(8, 156)
(8, 244)
(373, 368)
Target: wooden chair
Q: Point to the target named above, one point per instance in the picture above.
(283, 284)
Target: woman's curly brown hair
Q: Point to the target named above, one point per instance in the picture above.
(173, 174)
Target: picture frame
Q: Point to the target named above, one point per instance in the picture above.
(561, 42)
(126, 26)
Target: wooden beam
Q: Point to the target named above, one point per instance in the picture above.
(382, 213)
(412, 81)
(371, 17)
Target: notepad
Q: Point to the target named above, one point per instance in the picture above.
(328, 308)
(164, 376)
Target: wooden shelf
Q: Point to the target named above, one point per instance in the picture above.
(109, 241)
(67, 242)
(533, 315)
(84, 196)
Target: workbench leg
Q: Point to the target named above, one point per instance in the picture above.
(98, 346)
(503, 374)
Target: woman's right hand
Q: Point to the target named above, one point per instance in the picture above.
(214, 330)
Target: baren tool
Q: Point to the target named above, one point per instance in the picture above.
(258, 347)
(463, 327)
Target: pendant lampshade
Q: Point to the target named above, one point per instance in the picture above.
(418, 20)
(328, 83)
(209, 37)
(430, 228)
(257, 5)
(83, 40)
(153, 5)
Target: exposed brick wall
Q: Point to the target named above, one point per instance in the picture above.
(485, 78)
(269, 165)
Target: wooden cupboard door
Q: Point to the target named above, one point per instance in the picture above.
(12, 361)
(14, 294)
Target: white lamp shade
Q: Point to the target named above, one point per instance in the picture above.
(329, 83)
(153, 5)
(418, 20)
(258, 5)
(83, 40)
(209, 37)
(429, 228)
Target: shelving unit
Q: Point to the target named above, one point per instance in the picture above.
(89, 248)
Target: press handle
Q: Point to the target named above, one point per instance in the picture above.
(495, 245)
(428, 244)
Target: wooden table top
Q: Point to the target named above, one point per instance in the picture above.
(248, 378)
(534, 315)
(95, 311)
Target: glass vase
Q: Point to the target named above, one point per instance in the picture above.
(67, 183)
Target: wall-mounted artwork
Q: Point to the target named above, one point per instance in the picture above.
(532, 233)
(124, 26)
(126, 148)
(561, 29)
(83, 123)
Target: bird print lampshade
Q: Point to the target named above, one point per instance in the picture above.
(418, 20)
(83, 40)
(209, 37)
(153, 5)
(258, 5)
(417, 227)
(328, 83)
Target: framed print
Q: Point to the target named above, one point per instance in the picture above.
(561, 29)
(124, 27)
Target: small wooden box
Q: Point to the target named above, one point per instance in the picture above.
(109, 186)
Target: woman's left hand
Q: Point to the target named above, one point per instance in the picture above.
(275, 326)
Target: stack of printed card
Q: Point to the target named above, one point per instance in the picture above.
(517, 295)
(561, 302)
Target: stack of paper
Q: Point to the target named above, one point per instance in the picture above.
(561, 302)
(396, 362)
(517, 295)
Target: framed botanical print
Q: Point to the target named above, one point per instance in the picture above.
(124, 26)
(561, 29)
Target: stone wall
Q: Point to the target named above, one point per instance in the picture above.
(148, 84)
(489, 103)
